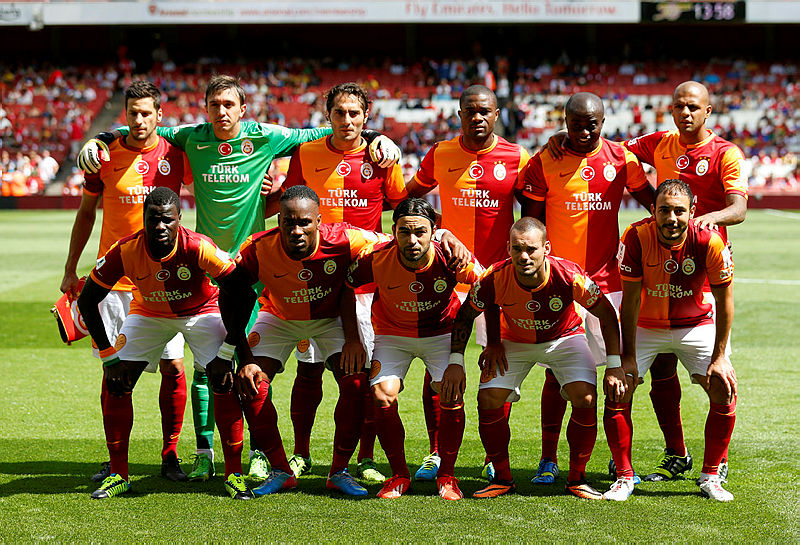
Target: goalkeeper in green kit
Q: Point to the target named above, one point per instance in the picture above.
(229, 159)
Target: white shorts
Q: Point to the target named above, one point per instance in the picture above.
(275, 338)
(568, 357)
(692, 345)
(594, 333)
(480, 322)
(393, 354)
(364, 315)
(113, 311)
(143, 338)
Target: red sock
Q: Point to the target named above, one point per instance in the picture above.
(450, 437)
(366, 447)
(719, 427)
(581, 436)
(392, 436)
(228, 414)
(348, 418)
(553, 408)
(619, 433)
(495, 436)
(263, 421)
(306, 397)
(507, 412)
(666, 396)
(118, 422)
(430, 405)
(172, 402)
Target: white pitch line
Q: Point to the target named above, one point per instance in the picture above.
(782, 214)
(767, 281)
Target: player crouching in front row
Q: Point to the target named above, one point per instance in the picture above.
(168, 265)
(664, 261)
(529, 301)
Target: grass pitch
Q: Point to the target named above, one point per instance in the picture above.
(51, 435)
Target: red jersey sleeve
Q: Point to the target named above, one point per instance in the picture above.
(470, 273)
(248, 259)
(92, 184)
(425, 174)
(534, 181)
(719, 264)
(732, 176)
(361, 240)
(635, 179)
(524, 160)
(213, 260)
(482, 293)
(584, 290)
(360, 272)
(644, 146)
(629, 255)
(187, 171)
(295, 174)
(109, 268)
(394, 187)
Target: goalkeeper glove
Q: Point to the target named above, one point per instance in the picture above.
(384, 152)
(94, 153)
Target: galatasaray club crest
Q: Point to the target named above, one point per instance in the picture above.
(247, 146)
(440, 285)
(164, 167)
(184, 273)
(141, 167)
(120, 342)
(670, 266)
(305, 275)
(253, 339)
(688, 266)
(329, 267)
(475, 171)
(609, 172)
(225, 149)
(682, 162)
(587, 174)
(343, 169)
(367, 171)
(702, 167)
(533, 306)
(556, 304)
(500, 172)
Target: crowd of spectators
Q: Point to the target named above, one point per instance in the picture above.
(50, 109)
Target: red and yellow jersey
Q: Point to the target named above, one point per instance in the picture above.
(712, 168)
(541, 314)
(582, 194)
(124, 183)
(310, 288)
(173, 286)
(476, 189)
(350, 186)
(411, 302)
(673, 277)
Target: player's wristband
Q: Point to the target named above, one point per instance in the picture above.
(456, 359)
(109, 357)
(613, 361)
(437, 236)
(226, 351)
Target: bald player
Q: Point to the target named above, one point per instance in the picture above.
(580, 195)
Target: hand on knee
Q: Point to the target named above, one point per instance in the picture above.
(171, 367)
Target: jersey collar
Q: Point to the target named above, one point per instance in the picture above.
(490, 147)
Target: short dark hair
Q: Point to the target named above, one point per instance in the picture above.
(526, 224)
(162, 196)
(476, 90)
(414, 206)
(674, 187)
(349, 88)
(221, 82)
(143, 89)
(299, 192)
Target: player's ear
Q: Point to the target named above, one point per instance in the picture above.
(508, 247)
(653, 210)
(691, 211)
(244, 108)
(159, 115)
(546, 247)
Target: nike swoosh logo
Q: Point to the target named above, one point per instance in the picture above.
(203, 147)
(565, 174)
(454, 169)
(393, 287)
(143, 277)
(279, 275)
(117, 169)
(666, 157)
(649, 265)
(508, 304)
(320, 169)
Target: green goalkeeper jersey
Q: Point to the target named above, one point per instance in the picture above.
(228, 174)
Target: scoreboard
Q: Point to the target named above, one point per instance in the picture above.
(694, 12)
